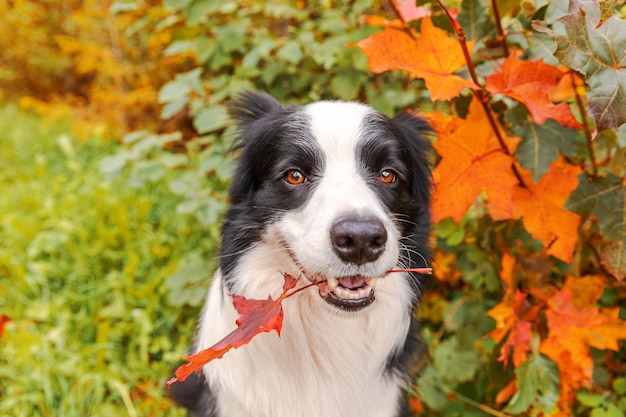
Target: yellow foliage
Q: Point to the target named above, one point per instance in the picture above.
(79, 59)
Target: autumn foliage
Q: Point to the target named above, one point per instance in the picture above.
(520, 160)
(525, 314)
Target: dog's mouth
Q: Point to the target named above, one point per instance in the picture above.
(348, 293)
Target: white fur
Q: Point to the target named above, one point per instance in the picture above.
(327, 363)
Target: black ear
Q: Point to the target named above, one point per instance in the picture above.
(414, 132)
(249, 106)
(258, 118)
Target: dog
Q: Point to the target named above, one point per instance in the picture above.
(336, 194)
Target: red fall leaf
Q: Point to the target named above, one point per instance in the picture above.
(255, 316)
(532, 82)
(433, 56)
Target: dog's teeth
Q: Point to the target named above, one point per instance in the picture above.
(332, 283)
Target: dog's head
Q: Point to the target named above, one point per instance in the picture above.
(343, 189)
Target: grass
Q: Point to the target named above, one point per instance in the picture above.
(84, 265)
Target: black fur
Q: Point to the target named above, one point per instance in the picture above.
(274, 139)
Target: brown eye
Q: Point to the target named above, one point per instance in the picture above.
(295, 177)
(387, 176)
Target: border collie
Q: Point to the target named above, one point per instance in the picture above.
(337, 194)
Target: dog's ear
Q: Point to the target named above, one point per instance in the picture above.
(414, 132)
(256, 116)
(249, 106)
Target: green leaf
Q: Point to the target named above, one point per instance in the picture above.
(123, 6)
(112, 166)
(181, 86)
(210, 119)
(538, 386)
(600, 55)
(198, 11)
(431, 388)
(174, 91)
(232, 37)
(474, 19)
(607, 410)
(346, 84)
(291, 52)
(457, 362)
(541, 145)
(619, 385)
(178, 47)
(604, 197)
(173, 107)
(186, 284)
(589, 400)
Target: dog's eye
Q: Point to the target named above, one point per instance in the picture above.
(295, 177)
(387, 176)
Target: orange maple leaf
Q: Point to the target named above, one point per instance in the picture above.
(541, 209)
(515, 320)
(472, 162)
(255, 316)
(433, 56)
(531, 82)
(573, 330)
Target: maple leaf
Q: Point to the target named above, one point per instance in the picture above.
(575, 327)
(541, 209)
(605, 198)
(514, 320)
(470, 155)
(541, 145)
(531, 83)
(433, 56)
(600, 55)
(409, 10)
(255, 316)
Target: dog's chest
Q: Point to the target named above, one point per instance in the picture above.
(323, 365)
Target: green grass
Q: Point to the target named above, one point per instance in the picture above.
(83, 277)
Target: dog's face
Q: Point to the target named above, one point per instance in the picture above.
(341, 188)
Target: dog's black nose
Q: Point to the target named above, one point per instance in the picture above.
(358, 240)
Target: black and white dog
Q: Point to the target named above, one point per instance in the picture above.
(338, 194)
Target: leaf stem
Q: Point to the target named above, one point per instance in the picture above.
(459, 32)
(297, 290)
(588, 135)
(501, 35)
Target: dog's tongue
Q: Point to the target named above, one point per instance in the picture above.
(352, 283)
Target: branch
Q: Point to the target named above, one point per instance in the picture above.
(501, 35)
(587, 128)
(480, 93)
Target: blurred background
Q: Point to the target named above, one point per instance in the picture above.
(114, 164)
